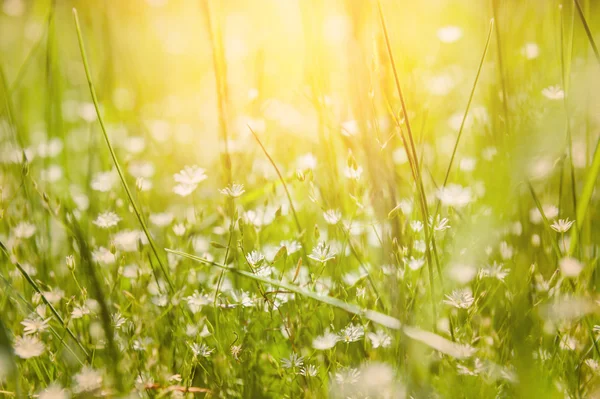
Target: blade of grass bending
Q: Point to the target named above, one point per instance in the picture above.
(503, 79)
(432, 340)
(539, 207)
(52, 309)
(88, 263)
(31, 308)
(9, 366)
(464, 119)
(287, 192)
(592, 174)
(113, 154)
(414, 160)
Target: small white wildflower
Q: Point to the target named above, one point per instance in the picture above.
(202, 349)
(179, 229)
(550, 211)
(494, 270)
(183, 190)
(351, 333)
(104, 256)
(161, 219)
(414, 264)
(461, 298)
(104, 181)
(379, 339)
(234, 190)
(24, 230)
(294, 361)
(309, 371)
(332, 216)
(34, 325)
(190, 175)
(28, 346)
(87, 380)
(530, 50)
(570, 267)
(416, 225)
(553, 93)
(353, 172)
(449, 34)
(255, 258)
(322, 253)
(347, 377)
(455, 195)
(462, 273)
(53, 391)
(562, 225)
(325, 341)
(106, 220)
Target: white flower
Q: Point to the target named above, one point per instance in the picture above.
(416, 225)
(190, 175)
(455, 195)
(34, 325)
(292, 246)
(309, 371)
(87, 380)
(350, 128)
(128, 240)
(332, 216)
(179, 229)
(461, 298)
(24, 230)
(28, 346)
(449, 34)
(440, 85)
(161, 219)
(414, 264)
(104, 181)
(106, 220)
(306, 161)
(234, 190)
(550, 211)
(570, 267)
(351, 333)
(202, 349)
(379, 339)
(53, 391)
(255, 258)
(553, 93)
(441, 225)
(353, 172)
(493, 271)
(530, 50)
(325, 341)
(104, 256)
(462, 273)
(322, 253)
(184, 190)
(196, 301)
(562, 225)
(293, 362)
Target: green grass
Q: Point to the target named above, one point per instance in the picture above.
(299, 199)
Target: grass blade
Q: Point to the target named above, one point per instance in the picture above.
(46, 302)
(592, 173)
(114, 155)
(432, 340)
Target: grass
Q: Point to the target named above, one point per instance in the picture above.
(327, 199)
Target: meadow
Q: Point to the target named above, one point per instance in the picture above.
(299, 199)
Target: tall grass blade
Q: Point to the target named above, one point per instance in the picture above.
(113, 155)
(433, 340)
(592, 173)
